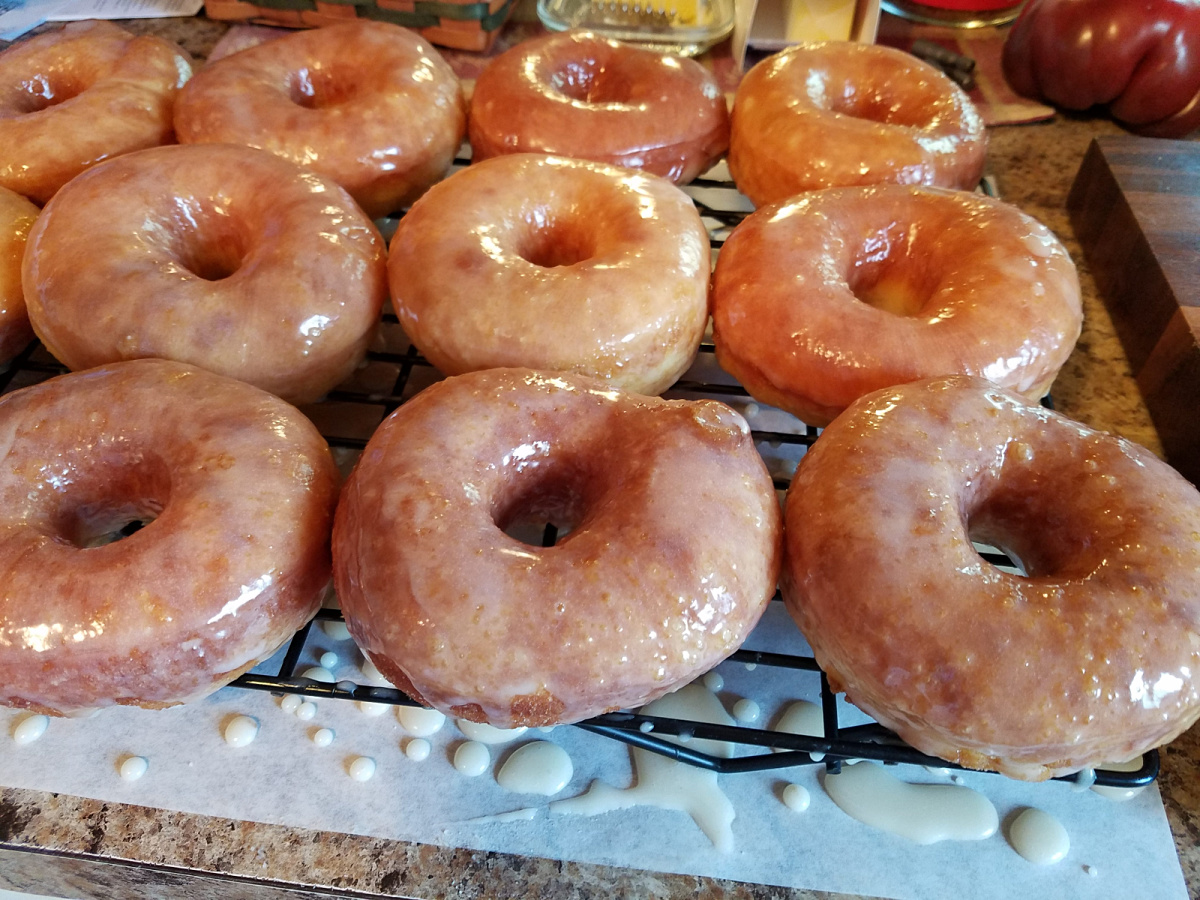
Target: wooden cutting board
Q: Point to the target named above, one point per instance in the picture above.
(1135, 207)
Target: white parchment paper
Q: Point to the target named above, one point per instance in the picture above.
(1118, 849)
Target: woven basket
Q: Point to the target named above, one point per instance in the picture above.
(462, 24)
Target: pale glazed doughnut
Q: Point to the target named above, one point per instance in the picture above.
(239, 489)
(71, 98)
(552, 263)
(580, 95)
(840, 292)
(839, 113)
(220, 256)
(17, 216)
(672, 560)
(1091, 658)
(369, 104)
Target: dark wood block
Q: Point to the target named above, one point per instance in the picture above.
(1170, 384)
(1135, 208)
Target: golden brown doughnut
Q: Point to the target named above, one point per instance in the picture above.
(581, 95)
(1091, 657)
(74, 97)
(220, 256)
(17, 216)
(840, 113)
(552, 263)
(836, 293)
(237, 491)
(671, 558)
(369, 104)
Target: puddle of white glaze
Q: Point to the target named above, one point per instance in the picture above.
(922, 813)
(664, 783)
(539, 767)
(1039, 837)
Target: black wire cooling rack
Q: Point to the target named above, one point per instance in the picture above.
(395, 371)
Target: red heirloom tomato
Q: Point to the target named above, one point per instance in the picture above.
(1141, 58)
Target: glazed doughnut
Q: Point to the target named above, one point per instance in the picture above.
(580, 95)
(236, 491)
(840, 292)
(551, 263)
(71, 98)
(369, 104)
(840, 113)
(17, 216)
(220, 256)
(672, 558)
(1092, 657)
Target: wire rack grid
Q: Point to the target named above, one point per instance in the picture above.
(395, 371)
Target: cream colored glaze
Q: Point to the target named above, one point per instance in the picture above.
(420, 721)
(1093, 656)
(369, 104)
(240, 731)
(747, 711)
(361, 768)
(1039, 837)
(471, 758)
(921, 813)
(950, 283)
(74, 97)
(17, 216)
(133, 767)
(840, 113)
(538, 767)
(241, 488)
(796, 797)
(488, 734)
(580, 95)
(1120, 793)
(417, 749)
(662, 782)
(223, 257)
(672, 562)
(30, 729)
(802, 717)
(555, 264)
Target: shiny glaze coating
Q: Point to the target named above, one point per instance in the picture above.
(829, 114)
(580, 95)
(369, 104)
(553, 263)
(240, 488)
(220, 256)
(1093, 657)
(17, 216)
(74, 97)
(673, 556)
(840, 292)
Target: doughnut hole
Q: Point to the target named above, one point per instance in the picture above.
(109, 501)
(592, 81)
(550, 241)
(210, 244)
(886, 273)
(1021, 512)
(322, 88)
(874, 102)
(541, 504)
(43, 91)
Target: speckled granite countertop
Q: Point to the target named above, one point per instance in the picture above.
(73, 847)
